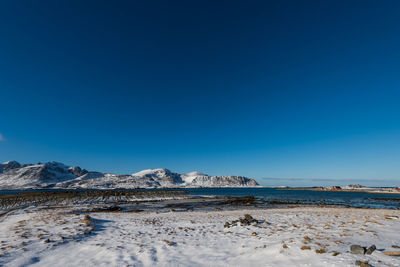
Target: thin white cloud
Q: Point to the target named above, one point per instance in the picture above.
(2, 138)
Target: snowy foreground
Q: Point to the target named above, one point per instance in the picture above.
(63, 237)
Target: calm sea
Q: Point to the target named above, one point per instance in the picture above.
(351, 199)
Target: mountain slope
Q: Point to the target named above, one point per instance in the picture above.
(14, 175)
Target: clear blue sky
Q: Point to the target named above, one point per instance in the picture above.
(280, 89)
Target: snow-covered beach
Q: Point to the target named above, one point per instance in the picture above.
(300, 236)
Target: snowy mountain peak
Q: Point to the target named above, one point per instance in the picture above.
(54, 164)
(12, 162)
(8, 165)
(190, 176)
(158, 171)
(195, 173)
(57, 175)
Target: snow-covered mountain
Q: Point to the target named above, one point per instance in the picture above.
(14, 175)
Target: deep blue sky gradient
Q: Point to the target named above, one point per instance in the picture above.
(291, 89)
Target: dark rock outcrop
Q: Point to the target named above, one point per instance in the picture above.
(357, 249)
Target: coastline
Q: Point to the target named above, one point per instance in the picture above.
(342, 190)
(218, 197)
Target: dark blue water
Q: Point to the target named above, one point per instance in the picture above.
(270, 195)
(351, 199)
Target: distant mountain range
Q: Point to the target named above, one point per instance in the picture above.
(14, 175)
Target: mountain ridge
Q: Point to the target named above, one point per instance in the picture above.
(14, 176)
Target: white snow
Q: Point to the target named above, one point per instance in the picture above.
(151, 172)
(198, 238)
(189, 177)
